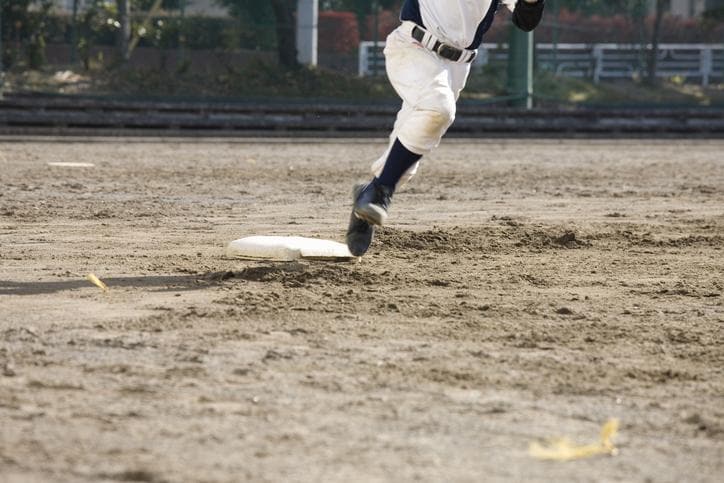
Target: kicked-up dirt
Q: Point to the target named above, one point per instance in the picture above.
(523, 290)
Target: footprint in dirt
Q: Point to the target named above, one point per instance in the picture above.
(295, 274)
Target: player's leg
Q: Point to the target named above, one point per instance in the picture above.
(429, 90)
(424, 82)
(438, 103)
(372, 209)
(380, 163)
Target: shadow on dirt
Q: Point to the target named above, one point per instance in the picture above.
(159, 283)
(289, 274)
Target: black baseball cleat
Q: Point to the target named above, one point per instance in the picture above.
(359, 236)
(371, 202)
(359, 232)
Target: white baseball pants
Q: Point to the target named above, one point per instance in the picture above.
(429, 87)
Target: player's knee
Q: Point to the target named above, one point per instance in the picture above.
(443, 114)
(440, 120)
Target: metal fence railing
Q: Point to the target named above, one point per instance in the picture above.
(702, 62)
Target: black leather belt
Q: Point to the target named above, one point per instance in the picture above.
(442, 49)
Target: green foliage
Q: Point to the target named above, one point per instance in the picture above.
(714, 15)
(96, 27)
(567, 89)
(554, 90)
(265, 22)
(36, 52)
(145, 5)
(487, 82)
(268, 23)
(357, 6)
(29, 26)
(256, 23)
(362, 8)
(257, 79)
(191, 32)
(634, 8)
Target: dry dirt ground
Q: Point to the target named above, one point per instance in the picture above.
(523, 290)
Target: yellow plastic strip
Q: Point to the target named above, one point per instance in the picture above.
(561, 449)
(97, 282)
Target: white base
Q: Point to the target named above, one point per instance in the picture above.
(71, 165)
(287, 248)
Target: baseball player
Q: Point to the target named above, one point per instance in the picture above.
(428, 60)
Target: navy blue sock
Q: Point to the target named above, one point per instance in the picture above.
(398, 161)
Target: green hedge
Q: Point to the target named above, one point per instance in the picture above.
(195, 32)
(192, 32)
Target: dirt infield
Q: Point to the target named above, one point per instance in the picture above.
(523, 290)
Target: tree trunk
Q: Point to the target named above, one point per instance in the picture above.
(638, 12)
(2, 51)
(655, 35)
(74, 33)
(284, 11)
(124, 32)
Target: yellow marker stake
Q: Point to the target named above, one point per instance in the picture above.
(97, 282)
(562, 449)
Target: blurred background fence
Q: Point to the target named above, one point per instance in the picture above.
(665, 52)
(702, 63)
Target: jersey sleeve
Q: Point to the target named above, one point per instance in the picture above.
(526, 16)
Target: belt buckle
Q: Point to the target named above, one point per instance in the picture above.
(449, 52)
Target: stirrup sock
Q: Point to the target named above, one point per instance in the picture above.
(398, 161)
